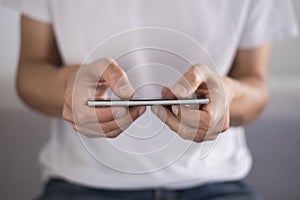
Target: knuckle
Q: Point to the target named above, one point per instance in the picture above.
(206, 124)
(67, 115)
(225, 128)
(184, 135)
(214, 137)
(80, 118)
(195, 76)
(104, 128)
(117, 74)
(205, 127)
(112, 64)
(202, 134)
(211, 137)
(92, 133)
(198, 139)
(112, 135)
(124, 127)
(104, 62)
(199, 136)
(103, 115)
(199, 66)
(203, 71)
(108, 61)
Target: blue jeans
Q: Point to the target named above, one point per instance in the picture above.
(57, 189)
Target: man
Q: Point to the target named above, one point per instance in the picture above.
(58, 35)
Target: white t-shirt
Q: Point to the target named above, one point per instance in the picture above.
(149, 154)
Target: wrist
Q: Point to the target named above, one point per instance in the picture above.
(228, 86)
(67, 74)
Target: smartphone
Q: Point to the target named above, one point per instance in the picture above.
(146, 102)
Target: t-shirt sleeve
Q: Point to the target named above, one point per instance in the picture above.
(268, 20)
(37, 9)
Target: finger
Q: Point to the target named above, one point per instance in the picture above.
(215, 91)
(190, 117)
(88, 132)
(87, 115)
(116, 79)
(92, 133)
(194, 118)
(106, 114)
(166, 117)
(173, 123)
(188, 83)
(106, 70)
(101, 91)
(133, 114)
(136, 111)
(167, 93)
(202, 91)
(123, 123)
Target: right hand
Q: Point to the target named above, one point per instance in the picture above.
(92, 82)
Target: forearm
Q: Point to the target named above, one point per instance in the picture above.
(42, 86)
(248, 98)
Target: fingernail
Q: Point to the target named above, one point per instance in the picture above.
(175, 110)
(120, 113)
(179, 89)
(125, 90)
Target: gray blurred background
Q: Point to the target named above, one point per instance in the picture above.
(274, 139)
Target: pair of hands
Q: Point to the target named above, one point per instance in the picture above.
(94, 80)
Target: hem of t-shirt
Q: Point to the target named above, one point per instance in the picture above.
(193, 183)
(235, 175)
(35, 13)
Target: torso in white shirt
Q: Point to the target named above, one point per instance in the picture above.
(148, 154)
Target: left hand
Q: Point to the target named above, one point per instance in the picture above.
(200, 124)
